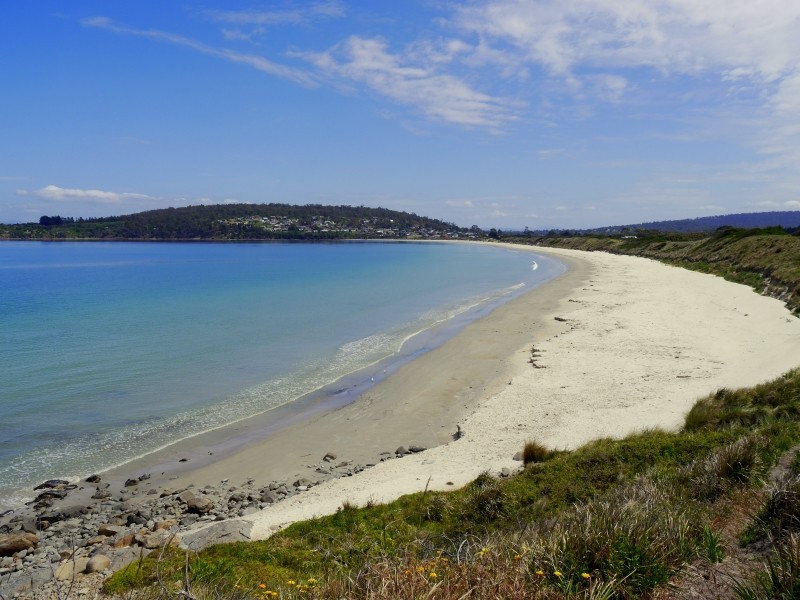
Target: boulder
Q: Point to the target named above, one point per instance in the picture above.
(62, 514)
(110, 530)
(232, 530)
(99, 562)
(52, 483)
(11, 543)
(69, 569)
(200, 505)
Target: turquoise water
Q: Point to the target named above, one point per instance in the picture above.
(112, 350)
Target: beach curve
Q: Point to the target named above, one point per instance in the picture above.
(623, 344)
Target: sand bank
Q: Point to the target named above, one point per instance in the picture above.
(635, 344)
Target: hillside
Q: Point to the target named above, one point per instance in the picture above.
(240, 222)
(785, 219)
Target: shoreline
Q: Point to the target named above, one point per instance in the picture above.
(623, 343)
(236, 452)
(228, 437)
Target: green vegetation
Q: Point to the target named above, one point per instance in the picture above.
(240, 222)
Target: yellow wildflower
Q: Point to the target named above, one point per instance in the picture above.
(558, 573)
(540, 573)
(585, 575)
(433, 575)
(291, 582)
(263, 586)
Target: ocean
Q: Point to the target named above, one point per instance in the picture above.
(109, 351)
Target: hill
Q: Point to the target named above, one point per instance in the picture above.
(240, 222)
(785, 219)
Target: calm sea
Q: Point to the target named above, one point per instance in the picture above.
(109, 351)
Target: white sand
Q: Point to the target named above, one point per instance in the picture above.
(642, 342)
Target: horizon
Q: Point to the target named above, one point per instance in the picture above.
(498, 113)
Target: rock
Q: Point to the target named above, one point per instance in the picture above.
(109, 530)
(416, 449)
(151, 541)
(329, 457)
(62, 514)
(99, 562)
(223, 532)
(124, 541)
(518, 457)
(52, 483)
(98, 539)
(131, 482)
(136, 519)
(270, 497)
(28, 524)
(166, 524)
(185, 496)
(303, 482)
(101, 495)
(505, 472)
(12, 543)
(200, 505)
(69, 569)
(54, 494)
(93, 479)
(401, 451)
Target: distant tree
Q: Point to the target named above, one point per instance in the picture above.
(495, 233)
(46, 221)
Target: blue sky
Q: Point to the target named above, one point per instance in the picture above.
(500, 113)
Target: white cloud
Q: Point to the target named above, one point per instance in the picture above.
(252, 60)
(674, 36)
(298, 16)
(499, 213)
(58, 194)
(792, 204)
(439, 96)
(460, 203)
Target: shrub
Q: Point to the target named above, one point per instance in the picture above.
(534, 452)
(781, 511)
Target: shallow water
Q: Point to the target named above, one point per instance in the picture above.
(112, 350)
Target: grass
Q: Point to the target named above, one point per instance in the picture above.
(615, 518)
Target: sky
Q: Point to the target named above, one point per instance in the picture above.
(497, 113)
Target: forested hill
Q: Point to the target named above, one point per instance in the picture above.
(240, 222)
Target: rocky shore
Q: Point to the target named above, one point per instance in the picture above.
(77, 534)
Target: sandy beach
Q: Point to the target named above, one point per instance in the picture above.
(622, 344)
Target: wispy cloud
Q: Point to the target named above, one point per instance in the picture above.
(298, 16)
(440, 96)
(460, 203)
(252, 60)
(58, 194)
(741, 37)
